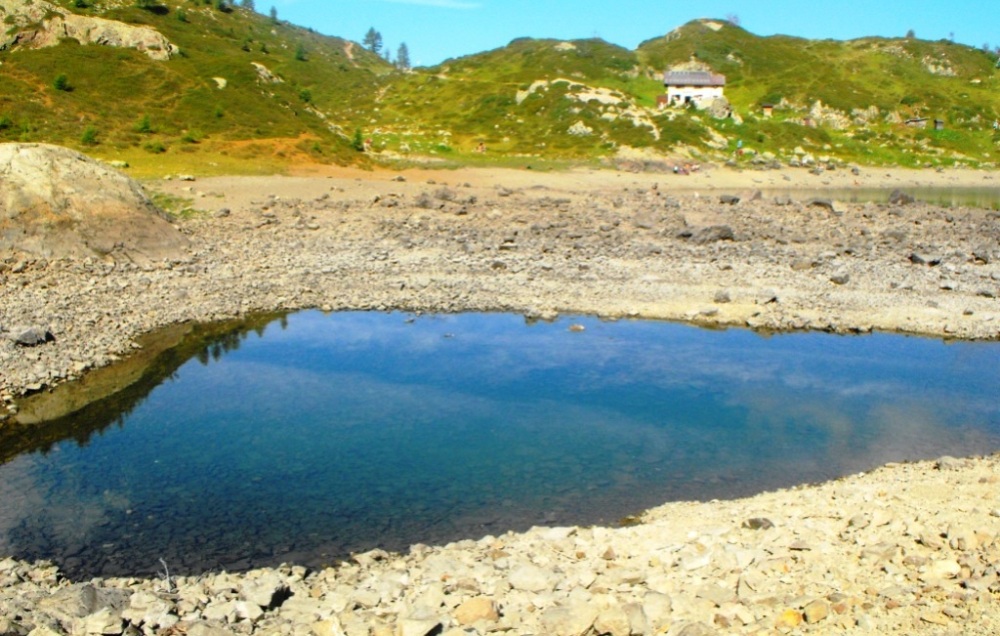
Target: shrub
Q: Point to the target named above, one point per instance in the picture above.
(358, 142)
(144, 125)
(305, 95)
(6, 123)
(61, 83)
(300, 53)
(155, 147)
(153, 6)
(89, 136)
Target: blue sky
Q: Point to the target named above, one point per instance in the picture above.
(435, 30)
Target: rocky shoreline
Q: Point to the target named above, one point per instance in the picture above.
(908, 548)
(637, 250)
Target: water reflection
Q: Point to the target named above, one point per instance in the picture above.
(107, 396)
(346, 432)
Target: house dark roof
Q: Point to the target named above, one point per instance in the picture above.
(693, 78)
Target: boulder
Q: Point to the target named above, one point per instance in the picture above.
(58, 203)
(475, 610)
(30, 336)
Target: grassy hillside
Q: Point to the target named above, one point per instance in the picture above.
(246, 92)
(521, 99)
(210, 98)
(874, 85)
(588, 99)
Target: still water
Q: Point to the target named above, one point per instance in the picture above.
(320, 435)
(984, 198)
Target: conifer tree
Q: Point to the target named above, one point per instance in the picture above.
(403, 57)
(373, 41)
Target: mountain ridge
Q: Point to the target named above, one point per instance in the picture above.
(243, 88)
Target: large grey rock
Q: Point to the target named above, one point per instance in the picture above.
(30, 336)
(57, 203)
(711, 234)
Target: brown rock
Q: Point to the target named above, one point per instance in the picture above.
(475, 610)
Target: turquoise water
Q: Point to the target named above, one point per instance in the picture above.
(327, 434)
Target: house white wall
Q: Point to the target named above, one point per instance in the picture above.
(700, 96)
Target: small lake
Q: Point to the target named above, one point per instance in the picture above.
(318, 435)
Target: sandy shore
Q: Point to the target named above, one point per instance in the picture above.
(924, 560)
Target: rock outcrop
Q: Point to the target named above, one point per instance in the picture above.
(38, 24)
(56, 203)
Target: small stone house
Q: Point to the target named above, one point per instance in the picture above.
(697, 88)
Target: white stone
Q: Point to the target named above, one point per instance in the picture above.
(568, 621)
(944, 569)
(531, 578)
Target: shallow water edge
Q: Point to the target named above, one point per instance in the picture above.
(158, 353)
(585, 420)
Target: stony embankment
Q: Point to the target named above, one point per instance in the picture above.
(743, 260)
(905, 549)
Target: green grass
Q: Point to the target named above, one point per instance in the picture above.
(207, 110)
(175, 207)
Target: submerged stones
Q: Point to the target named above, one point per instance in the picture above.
(752, 577)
